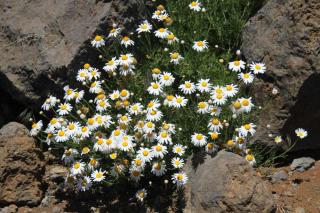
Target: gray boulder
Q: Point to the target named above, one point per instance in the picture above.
(226, 183)
(285, 34)
(302, 164)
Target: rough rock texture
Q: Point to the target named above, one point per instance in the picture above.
(21, 167)
(302, 164)
(227, 183)
(285, 34)
(43, 41)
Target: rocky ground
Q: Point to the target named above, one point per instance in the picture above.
(39, 54)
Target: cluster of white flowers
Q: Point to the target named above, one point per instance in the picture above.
(113, 135)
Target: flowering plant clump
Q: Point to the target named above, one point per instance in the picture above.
(155, 101)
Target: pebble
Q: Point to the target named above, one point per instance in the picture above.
(302, 164)
(300, 210)
(280, 176)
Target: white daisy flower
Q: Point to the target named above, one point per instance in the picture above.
(149, 127)
(83, 74)
(246, 104)
(94, 74)
(68, 155)
(126, 59)
(98, 41)
(124, 94)
(54, 124)
(278, 139)
(49, 103)
(155, 88)
(93, 163)
(237, 65)
(72, 128)
(95, 87)
(172, 39)
(203, 85)
(84, 184)
(114, 32)
(98, 175)
(159, 151)
(195, 6)
(215, 125)
(102, 105)
(114, 95)
(203, 107)
(177, 162)
(247, 78)
(135, 174)
(154, 115)
(231, 90)
(164, 138)
(180, 101)
(78, 95)
(136, 109)
(158, 169)
(179, 149)
(99, 145)
(156, 73)
(200, 46)
(84, 132)
(117, 170)
(166, 79)
(145, 26)
(301, 133)
(126, 143)
(211, 148)
(179, 179)
(250, 159)
(36, 128)
(219, 98)
(126, 70)
(77, 168)
(215, 110)
(162, 33)
(61, 136)
(64, 109)
(145, 154)
(258, 68)
(126, 41)
(188, 87)
(244, 130)
(153, 105)
(198, 139)
(111, 65)
(175, 58)
(169, 100)
(141, 195)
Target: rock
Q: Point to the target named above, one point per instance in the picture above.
(9, 209)
(302, 164)
(285, 35)
(300, 210)
(44, 42)
(226, 183)
(21, 167)
(13, 129)
(280, 176)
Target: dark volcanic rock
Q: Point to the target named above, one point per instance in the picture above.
(227, 183)
(43, 42)
(21, 167)
(285, 34)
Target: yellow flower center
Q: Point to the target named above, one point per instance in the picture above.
(123, 93)
(86, 66)
(175, 55)
(117, 132)
(159, 148)
(98, 38)
(99, 175)
(85, 150)
(219, 96)
(156, 71)
(237, 105)
(204, 84)
(214, 135)
(153, 112)
(93, 162)
(179, 100)
(200, 43)
(170, 97)
(230, 143)
(150, 104)
(71, 126)
(109, 141)
(63, 107)
(247, 126)
(61, 133)
(249, 157)
(229, 87)
(178, 149)
(90, 121)
(69, 91)
(236, 63)
(258, 67)
(124, 57)
(155, 86)
(136, 173)
(199, 137)
(138, 162)
(179, 177)
(94, 84)
(210, 146)
(161, 30)
(113, 156)
(144, 26)
(170, 37)
(84, 129)
(202, 105)
(166, 77)
(246, 75)
(164, 135)
(125, 143)
(34, 125)
(245, 102)
(100, 142)
(102, 103)
(157, 166)
(187, 85)
(215, 121)
(149, 124)
(111, 62)
(145, 153)
(126, 38)
(77, 165)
